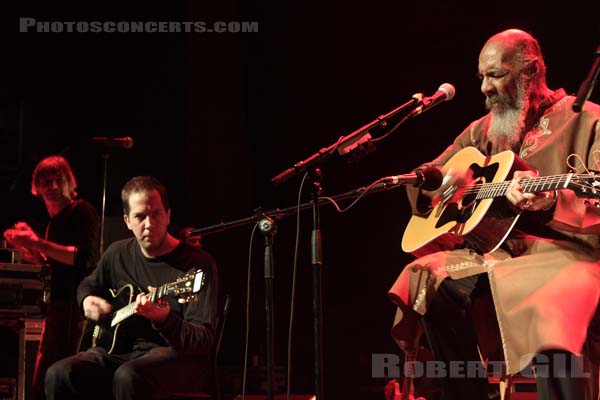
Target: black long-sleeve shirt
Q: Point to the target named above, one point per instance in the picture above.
(189, 327)
(75, 225)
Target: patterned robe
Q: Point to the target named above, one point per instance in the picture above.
(545, 287)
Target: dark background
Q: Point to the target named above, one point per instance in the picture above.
(216, 115)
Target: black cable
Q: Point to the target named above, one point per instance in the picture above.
(293, 295)
(245, 373)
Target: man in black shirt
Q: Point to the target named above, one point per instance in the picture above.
(165, 346)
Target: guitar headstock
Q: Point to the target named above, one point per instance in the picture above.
(184, 288)
(586, 185)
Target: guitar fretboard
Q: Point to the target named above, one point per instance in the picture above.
(127, 311)
(122, 314)
(530, 185)
(188, 284)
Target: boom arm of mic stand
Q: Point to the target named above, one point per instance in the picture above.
(349, 140)
(585, 90)
(280, 213)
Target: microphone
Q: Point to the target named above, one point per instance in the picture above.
(429, 178)
(113, 143)
(445, 92)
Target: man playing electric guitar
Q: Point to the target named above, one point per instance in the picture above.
(116, 334)
(169, 344)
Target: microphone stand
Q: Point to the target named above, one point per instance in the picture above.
(586, 87)
(280, 213)
(104, 173)
(268, 228)
(317, 266)
(359, 143)
(107, 147)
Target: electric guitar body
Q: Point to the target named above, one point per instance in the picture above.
(112, 333)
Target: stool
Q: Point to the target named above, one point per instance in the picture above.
(509, 387)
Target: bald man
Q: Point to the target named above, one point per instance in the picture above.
(530, 296)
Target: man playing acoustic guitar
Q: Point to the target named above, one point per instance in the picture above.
(154, 348)
(542, 268)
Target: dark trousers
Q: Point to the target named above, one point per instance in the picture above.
(94, 374)
(560, 376)
(450, 331)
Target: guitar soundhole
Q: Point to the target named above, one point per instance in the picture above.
(461, 211)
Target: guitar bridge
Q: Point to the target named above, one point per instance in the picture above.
(95, 335)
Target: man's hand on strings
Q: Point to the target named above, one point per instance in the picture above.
(452, 184)
(154, 311)
(528, 201)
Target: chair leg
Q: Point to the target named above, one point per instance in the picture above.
(506, 388)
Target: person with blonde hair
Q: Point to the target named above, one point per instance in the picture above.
(70, 246)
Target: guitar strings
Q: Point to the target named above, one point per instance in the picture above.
(537, 184)
(496, 189)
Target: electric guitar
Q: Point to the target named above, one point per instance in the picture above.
(477, 213)
(107, 333)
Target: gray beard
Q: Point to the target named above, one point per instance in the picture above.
(508, 120)
(506, 128)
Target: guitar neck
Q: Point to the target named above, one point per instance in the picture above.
(529, 185)
(127, 311)
(183, 288)
(122, 314)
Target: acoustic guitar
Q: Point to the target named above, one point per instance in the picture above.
(477, 212)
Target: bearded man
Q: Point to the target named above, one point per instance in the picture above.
(532, 299)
